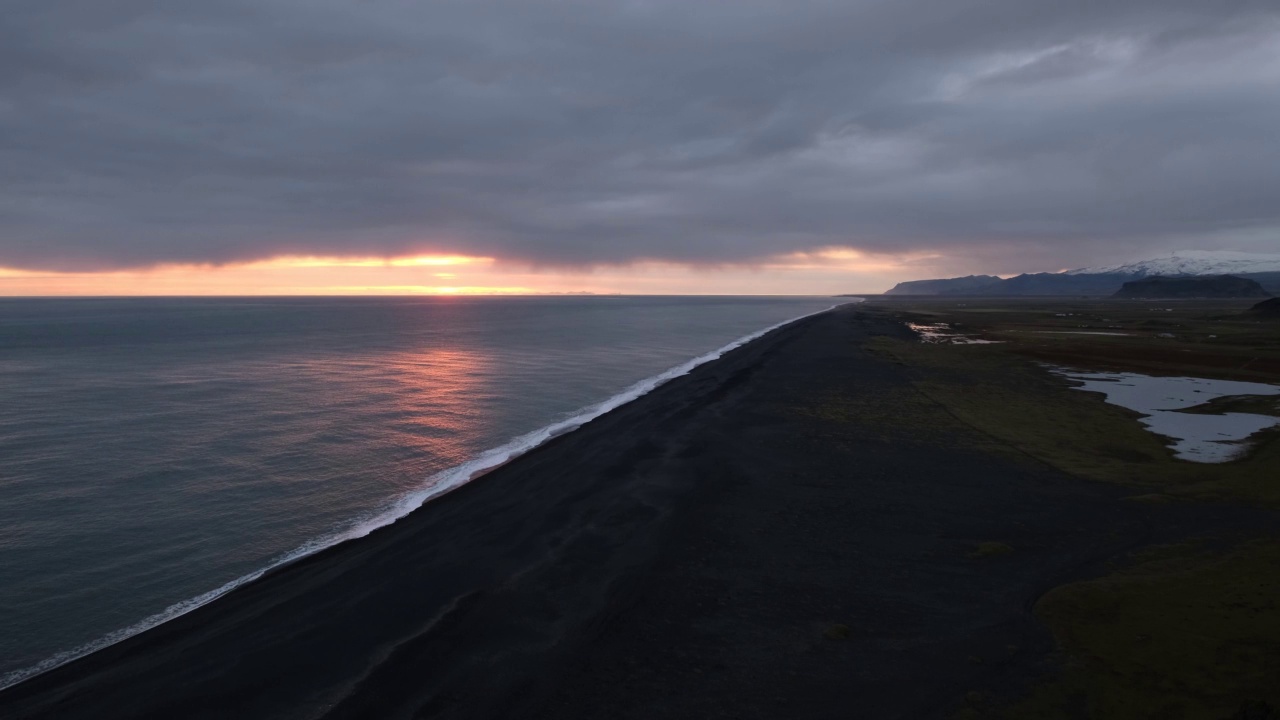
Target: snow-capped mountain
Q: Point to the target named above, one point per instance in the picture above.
(1103, 281)
(1192, 262)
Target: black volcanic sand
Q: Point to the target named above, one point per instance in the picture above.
(727, 546)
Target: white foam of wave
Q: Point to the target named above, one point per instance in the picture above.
(435, 486)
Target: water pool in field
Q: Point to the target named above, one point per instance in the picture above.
(1196, 437)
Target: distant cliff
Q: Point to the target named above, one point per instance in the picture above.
(968, 283)
(1026, 284)
(1220, 286)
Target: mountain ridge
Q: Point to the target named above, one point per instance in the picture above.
(1106, 280)
(1191, 262)
(1159, 287)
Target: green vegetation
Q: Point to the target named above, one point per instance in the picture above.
(1004, 391)
(877, 415)
(991, 549)
(1181, 634)
(1256, 404)
(1205, 338)
(837, 632)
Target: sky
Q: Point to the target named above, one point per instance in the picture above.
(636, 146)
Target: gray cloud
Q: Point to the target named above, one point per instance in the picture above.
(586, 131)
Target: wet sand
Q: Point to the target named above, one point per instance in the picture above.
(690, 554)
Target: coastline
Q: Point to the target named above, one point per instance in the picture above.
(433, 487)
(791, 530)
(484, 466)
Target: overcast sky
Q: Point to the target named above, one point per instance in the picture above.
(1003, 135)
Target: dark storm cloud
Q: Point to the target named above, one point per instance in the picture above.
(598, 131)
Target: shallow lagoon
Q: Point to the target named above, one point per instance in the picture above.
(943, 334)
(1197, 437)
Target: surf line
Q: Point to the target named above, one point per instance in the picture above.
(436, 485)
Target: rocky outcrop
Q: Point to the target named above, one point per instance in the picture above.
(1267, 308)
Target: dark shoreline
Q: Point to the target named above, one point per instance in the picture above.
(685, 555)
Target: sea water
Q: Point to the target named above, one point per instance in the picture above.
(155, 453)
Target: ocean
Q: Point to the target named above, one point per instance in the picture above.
(156, 453)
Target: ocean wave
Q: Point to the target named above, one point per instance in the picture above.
(436, 485)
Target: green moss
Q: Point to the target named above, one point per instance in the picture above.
(837, 632)
(1258, 405)
(884, 414)
(991, 549)
(1181, 633)
(1151, 499)
(1212, 338)
(1029, 412)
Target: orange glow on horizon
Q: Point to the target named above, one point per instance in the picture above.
(284, 262)
(829, 270)
(292, 261)
(433, 290)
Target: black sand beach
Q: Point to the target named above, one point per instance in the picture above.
(735, 544)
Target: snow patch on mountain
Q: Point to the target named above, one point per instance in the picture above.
(1192, 262)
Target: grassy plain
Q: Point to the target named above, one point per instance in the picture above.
(1005, 390)
(1184, 631)
(1179, 632)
